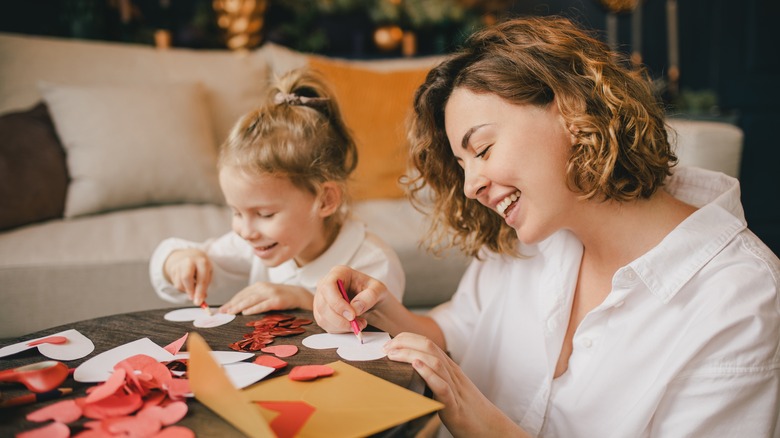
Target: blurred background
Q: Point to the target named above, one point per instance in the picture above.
(710, 59)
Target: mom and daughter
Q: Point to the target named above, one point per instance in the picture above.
(611, 294)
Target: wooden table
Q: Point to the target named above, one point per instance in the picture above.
(111, 331)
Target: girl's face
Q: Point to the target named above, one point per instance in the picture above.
(280, 220)
(514, 160)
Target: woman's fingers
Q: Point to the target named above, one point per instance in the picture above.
(430, 361)
(331, 310)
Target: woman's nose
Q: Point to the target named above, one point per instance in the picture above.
(474, 183)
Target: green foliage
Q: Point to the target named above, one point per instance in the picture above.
(445, 21)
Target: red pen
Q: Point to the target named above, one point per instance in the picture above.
(353, 323)
(205, 307)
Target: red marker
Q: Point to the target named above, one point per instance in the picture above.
(34, 398)
(353, 323)
(205, 307)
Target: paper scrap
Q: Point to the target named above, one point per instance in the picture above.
(348, 346)
(75, 347)
(200, 318)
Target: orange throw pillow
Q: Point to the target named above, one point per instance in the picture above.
(374, 105)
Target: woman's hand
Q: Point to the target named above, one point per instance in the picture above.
(189, 270)
(466, 411)
(332, 312)
(263, 297)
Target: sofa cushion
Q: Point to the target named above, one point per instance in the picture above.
(134, 146)
(33, 175)
(374, 105)
(234, 82)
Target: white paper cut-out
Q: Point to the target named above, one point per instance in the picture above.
(100, 367)
(76, 347)
(348, 346)
(243, 374)
(199, 317)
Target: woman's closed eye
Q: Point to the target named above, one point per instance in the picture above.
(484, 153)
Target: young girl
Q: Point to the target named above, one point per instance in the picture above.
(283, 171)
(643, 305)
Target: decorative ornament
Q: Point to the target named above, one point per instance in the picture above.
(241, 21)
(388, 38)
(618, 6)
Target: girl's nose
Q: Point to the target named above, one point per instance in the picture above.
(247, 231)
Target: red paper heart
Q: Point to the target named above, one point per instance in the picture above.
(281, 350)
(132, 426)
(53, 430)
(109, 388)
(170, 414)
(113, 406)
(310, 372)
(270, 361)
(65, 411)
(175, 432)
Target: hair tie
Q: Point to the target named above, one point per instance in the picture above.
(294, 99)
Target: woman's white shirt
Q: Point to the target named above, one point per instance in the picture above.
(235, 265)
(687, 343)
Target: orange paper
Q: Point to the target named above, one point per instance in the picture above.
(211, 387)
(350, 403)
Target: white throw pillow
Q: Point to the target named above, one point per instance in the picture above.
(134, 146)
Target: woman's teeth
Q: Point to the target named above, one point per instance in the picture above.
(506, 202)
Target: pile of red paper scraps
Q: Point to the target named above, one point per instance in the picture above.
(141, 399)
(267, 328)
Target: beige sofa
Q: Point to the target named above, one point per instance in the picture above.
(140, 127)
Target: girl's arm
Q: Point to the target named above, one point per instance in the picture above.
(229, 256)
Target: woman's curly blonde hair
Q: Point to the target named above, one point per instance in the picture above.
(622, 152)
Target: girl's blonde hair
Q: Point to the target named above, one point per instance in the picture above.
(298, 133)
(622, 152)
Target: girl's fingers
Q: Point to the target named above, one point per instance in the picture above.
(201, 280)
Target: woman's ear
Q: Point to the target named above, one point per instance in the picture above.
(330, 199)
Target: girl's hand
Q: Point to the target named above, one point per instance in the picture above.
(189, 270)
(262, 297)
(332, 312)
(466, 411)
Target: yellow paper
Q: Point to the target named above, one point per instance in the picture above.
(349, 403)
(211, 387)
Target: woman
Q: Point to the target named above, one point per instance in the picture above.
(610, 296)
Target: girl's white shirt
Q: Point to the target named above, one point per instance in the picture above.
(235, 266)
(686, 344)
